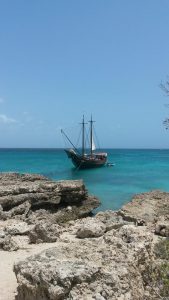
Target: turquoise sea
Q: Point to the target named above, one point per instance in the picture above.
(135, 171)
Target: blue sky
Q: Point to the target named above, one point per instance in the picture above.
(60, 59)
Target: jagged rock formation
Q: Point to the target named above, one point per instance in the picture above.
(151, 209)
(107, 267)
(32, 207)
(147, 207)
(23, 193)
(108, 257)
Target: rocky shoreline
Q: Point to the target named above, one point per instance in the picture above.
(32, 207)
(112, 255)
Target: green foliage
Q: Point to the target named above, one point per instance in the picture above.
(164, 276)
(160, 275)
(162, 249)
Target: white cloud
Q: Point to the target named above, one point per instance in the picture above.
(6, 120)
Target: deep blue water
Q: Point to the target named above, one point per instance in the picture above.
(135, 171)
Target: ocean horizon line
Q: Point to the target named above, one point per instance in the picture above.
(62, 148)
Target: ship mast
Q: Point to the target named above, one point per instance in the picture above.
(91, 136)
(83, 136)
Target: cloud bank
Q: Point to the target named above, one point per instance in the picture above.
(6, 120)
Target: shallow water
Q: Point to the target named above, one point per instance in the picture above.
(135, 171)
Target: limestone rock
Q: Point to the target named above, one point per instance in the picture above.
(162, 227)
(13, 243)
(44, 232)
(34, 206)
(111, 219)
(109, 267)
(9, 244)
(72, 191)
(22, 196)
(14, 234)
(90, 228)
(106, 257)
(2, 233)
(146, 207)
(17, 228)
(57, 277)
(16, 189)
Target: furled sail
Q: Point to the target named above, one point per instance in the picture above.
(93, 145)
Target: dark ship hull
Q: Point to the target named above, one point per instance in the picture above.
(87, 161)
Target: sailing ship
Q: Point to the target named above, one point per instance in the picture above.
(86, 157)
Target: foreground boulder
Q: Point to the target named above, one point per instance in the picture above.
(108, 267)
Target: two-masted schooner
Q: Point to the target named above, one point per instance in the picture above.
(86, 157)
